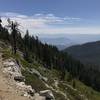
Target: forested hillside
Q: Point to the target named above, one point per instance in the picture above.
(47, 55)
(88, 53)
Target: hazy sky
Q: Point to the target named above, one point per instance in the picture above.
(54, 16)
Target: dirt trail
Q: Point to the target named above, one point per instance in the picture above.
(7, 91)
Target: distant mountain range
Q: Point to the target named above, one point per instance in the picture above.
(63, 41)
(87, 53)
(60, 42)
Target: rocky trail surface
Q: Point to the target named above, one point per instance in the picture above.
(8, 91)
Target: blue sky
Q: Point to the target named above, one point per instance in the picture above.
(54, 16)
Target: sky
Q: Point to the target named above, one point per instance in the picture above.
(53, 16)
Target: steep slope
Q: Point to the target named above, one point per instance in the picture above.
(12, 82)
(43, 79)
(86, 53)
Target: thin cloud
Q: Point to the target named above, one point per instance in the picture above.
(40, 18)
(48, 24)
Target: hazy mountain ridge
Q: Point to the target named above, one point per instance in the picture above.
(63, 41)
(60, 42)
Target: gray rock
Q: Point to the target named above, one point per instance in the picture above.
(19, 78)
(48, 94)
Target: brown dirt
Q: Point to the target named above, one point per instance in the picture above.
(7, 91)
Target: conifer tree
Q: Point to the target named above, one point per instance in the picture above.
(26, 45)
(14, 31)
(0, 24)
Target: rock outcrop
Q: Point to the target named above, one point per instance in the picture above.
(13, 70)
(14, 73)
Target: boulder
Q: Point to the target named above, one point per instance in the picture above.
(19, 78)
(48, 94)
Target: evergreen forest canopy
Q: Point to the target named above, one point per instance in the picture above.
(48, 55)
